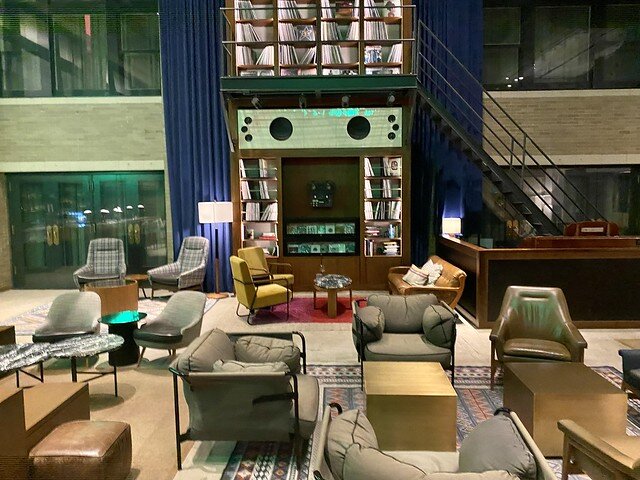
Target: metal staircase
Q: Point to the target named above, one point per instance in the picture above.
(532, 188)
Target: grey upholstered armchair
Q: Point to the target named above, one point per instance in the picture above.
(176, 327)
(105, 260)
(246, 388)
(415, 328)
(187, 272)
(71, 314)
(631, 371)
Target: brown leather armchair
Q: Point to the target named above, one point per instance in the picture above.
(534, 325)
(448, 288)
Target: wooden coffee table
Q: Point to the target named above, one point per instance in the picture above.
(332, 284)
(115, 295)
(411, 405)
(543, 393)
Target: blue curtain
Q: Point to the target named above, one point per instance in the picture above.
(443, 177)
(197, 146)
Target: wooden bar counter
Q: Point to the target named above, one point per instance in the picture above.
(600, 278)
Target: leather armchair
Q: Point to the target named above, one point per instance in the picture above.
(534, 325)
(631, 371)
(610, 456)
(176, 327)
(246, 405)
(448, 288)
(264, 272)
(418, 328)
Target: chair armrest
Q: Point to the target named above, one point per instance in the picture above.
(192, 277)
(280, 264)
(592, 445)
(399, 269)
(574, 340)
(499, 330)
(83, 269)
(168, 268)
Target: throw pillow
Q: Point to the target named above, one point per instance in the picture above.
(367, 463)
(496, 444)
(234, 366)
(433, 271)
(439, 324)
(372, 320)
(346, 429)
(200, 355)
(416, 276)
(256, 349)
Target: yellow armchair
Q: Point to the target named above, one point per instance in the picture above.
(261, 271)
(252, 295)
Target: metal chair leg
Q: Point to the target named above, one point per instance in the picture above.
(140, 356)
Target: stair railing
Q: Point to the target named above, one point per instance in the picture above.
(522, 150)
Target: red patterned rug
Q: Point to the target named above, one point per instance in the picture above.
(301, 311)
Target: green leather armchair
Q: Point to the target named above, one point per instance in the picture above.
(534, 325)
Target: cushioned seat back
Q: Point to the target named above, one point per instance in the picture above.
(193, 252)
(535, 312)
(242, 282)
(106, 255)
(203, 352)
(451, 275)
(254, 256)
(74, 311)
(182, 309)
(402, 314)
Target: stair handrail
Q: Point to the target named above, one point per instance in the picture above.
(423, 26)
(523, 164)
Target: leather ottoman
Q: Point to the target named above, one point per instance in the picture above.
(83, 450)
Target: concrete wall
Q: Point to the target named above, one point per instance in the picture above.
(77, 135)
(577, 127)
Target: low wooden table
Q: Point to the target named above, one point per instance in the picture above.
(115, 295)
(411, 405)
(142, 279)
(543, 393)
(332, 284)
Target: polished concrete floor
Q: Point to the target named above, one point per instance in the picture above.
(146, 392)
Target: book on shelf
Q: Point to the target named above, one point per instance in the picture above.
(270, 236)
(252, 211)
(263, 166)
(245, 32)
(395, 53)
(368, 169)
(245, 10)
(368, 193)
(243, 171)
(270, 213)
(264, 190)
(266, 56)
(288, 9)
(368, 211)
(244, 56)
(386, 188)
(288, 55)
(331, 54)
(309, 57)
(245, 191)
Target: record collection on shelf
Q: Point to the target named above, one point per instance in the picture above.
(341, 49)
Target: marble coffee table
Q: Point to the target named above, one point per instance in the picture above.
(332, 284)
(14, 357)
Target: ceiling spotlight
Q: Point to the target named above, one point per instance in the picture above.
(255, 101)
(391, 98)
(302, 101)
(345, 101)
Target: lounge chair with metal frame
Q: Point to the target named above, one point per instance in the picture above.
(255, 401)
(252, 295)
(266, 272)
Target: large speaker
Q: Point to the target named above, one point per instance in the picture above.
(320, 128)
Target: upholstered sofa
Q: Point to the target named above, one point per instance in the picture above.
(534, 324)
(497, 449)
(417, 328)
(447, 288)
(245, 387)
(631, 371)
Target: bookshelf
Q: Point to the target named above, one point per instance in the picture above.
(382, 204)
(259, 180)
(318, 37)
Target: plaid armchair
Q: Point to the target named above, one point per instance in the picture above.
(105, 260)
(186, 272)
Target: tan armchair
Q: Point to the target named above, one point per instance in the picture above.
(252, 295)
(448, 288)
(534, 325)
(615, 456)
(264, 272)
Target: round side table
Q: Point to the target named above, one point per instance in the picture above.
(332, 284)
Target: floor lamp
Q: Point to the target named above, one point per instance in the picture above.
(214, 213)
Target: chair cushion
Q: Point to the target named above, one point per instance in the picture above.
(368, 463)
(106, 261)
(402, 314)
(234, 366)
(415, 276)
(309, 393)
(633, 377)
(158, 332)
(439, 325)
(346, 429)
(372, 320)
(281, 278)
(92, 277)
(258, 349)
(164, 278)
(490, 475)
(190, 258)
(202, 353)
(402, 347)
(496, 444)
(271, 294)
(536, 348)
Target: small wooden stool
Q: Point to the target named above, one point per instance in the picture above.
(83, 450)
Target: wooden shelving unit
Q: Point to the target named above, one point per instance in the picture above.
(318, 37)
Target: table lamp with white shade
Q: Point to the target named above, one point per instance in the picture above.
(214, 213)
(452, 226)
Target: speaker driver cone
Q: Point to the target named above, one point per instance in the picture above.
(281, 128)
(358, 128)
